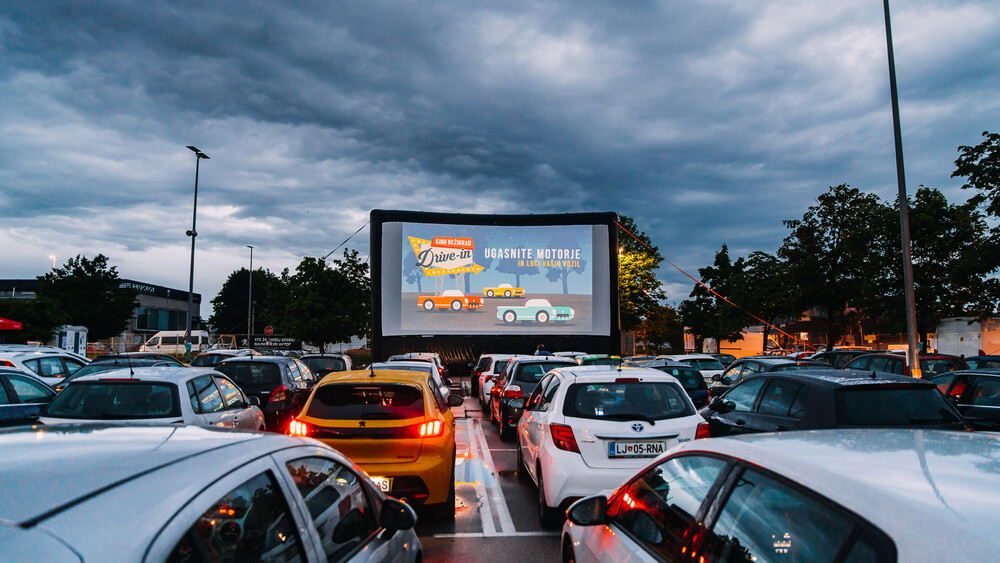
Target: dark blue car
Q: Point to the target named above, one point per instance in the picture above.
(691, 379)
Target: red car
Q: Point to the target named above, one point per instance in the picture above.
(889, 362)
(449, 299)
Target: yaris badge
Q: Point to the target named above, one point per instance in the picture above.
(638, 427)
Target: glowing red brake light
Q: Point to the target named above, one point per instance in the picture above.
(512, 392)
(703, 431)
(278, 394)
(298, 428)
(627, 380)
(562, 437)
(431, 429)
(6, 363)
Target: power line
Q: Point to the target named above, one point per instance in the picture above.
(345, 240)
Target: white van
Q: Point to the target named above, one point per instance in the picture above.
(172, 342)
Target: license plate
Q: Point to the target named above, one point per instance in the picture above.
(384, 484)
(636, 449)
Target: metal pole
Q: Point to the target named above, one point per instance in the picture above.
(193, 233)
(904, 211)
(250, 300)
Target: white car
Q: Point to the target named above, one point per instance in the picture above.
(707, 365)
(584, 429)
(827, 495)
(485, 375)
(161, 394)
(48, 363)
(426, 367)
(184, 493)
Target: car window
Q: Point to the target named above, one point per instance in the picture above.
(659, 507)
(933, 366)
(337, 503)
(325, 364)
(858, 363)
(778, 397)
(534, 401)
(704, 363)
(985, 391)
(355, 401)
(437, 393)
(115, 400)
(751, 367)
(690, 379)
(744, 394)
(4, 397)
(944, 382)
(893, 405)
(252, 376)
(208, 396)
(549, 391)
(732, 375)
(28, 390)
(765, 520)
(231, 394)
(984, 363)
(627, 400)
(533, 372)
(293, 371)
(483, 364)
(46, 367)
(498, 366)
(72, 364)
(250, 523)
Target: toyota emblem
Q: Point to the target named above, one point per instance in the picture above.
(638, 427)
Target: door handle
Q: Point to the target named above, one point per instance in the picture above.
(740, 422)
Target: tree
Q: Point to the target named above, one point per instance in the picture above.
(662, 328)
(639, 292)
(40, 318)
(981, 166)
(837, 254)
(89, 292)
(762, 289)
(327, 304)
(559, 269)
(413, 271)
(514, 266)
(230, 306)
(709, 315)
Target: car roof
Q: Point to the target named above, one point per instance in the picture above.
(111, 454)
(262, 358)
(832, 377)
(154, 373)
(606, 372)
(381, 375)
(400, 364)
(919, 486)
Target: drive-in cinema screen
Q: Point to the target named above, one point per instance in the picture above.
(455, 274)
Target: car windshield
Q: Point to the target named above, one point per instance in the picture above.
(893, 405)
(115, 400)
(532, 373)
(621, 400)
(690, 378)
(699, 363)
(252, 376)
(350, 401)
(325, 364)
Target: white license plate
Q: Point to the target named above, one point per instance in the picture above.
(636, 449)
(384, 484)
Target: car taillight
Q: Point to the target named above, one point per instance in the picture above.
(440, 371)
(512, 392)
(298, 428)
(702, 431)
(6, 363)
(431, 429)
(490, 377)
(278, 394)
(562, 437)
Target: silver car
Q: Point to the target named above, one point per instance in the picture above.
(160, 394)
(185, 493)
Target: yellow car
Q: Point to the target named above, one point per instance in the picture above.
(503, 290)
(395, 424)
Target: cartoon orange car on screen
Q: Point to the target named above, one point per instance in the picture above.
(449, 299)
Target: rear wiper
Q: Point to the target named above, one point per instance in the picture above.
(631, 416)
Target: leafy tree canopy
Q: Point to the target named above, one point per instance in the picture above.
(980, 165)
(639, 291)
(707, 314)
(40, 319)
(88, 291)
(230, 306)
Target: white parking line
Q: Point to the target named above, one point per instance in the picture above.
(482, 535)
(490, 491)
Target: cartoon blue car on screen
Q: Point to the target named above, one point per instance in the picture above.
(539, 310)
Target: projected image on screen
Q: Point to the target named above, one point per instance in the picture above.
(490, 279)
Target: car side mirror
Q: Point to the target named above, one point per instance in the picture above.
(396, 515)
(588, 511)
(447, 382)
(254, 401)
(717, 377)
(517, 404)
(455, 401)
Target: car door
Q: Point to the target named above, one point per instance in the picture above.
(781, 406)
(206, 402)
(12, 411)
(238, 412)
(535, 417)
(739, 404)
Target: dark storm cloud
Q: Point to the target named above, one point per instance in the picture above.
(707, 122)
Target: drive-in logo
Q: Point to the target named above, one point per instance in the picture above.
(638, 427)
(445, 255)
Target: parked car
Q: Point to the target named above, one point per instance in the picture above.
(808, 400)
(518, 379)
(212, 358)
(839, 358)
(280, 384)
(538, 310)
(183, 493)
(484, 372)
(22, 397)
(833, 495)
(585, 427)
(49, 363)
(504, 289)
(690, 379)
(101, 366)
(432, 357)
(725, 359)
(752, 365)
(322, 364)
(979, 362)
(172, 342)
(450, 299)
(889, 362)
(425, 367)
(599, 360)
(706, 364)
(976, 393)
(172, 395)
(395, 425)
(128, 356)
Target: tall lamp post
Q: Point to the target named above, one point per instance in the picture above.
(193, 233)
(250, 301)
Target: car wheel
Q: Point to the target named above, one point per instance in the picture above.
(548, 516)
(446, 510)
(542, 316)
(489, 293)
(506, 432)
(506, 293)
(522, 471)
(509, 317)
(456, 305)
(489, 405)
(568, 555)
(428, 304)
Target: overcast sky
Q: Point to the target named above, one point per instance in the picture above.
(707, 122)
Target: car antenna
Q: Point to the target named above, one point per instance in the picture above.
(371, 368)
(873, 375)
(128, 359)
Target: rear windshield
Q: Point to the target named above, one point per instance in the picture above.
(115, 400)
(484, 363)
(250, 375)
(533, 373)
(690, 379)
(600, 361)
(207, 360)
(323, 365)
(499, 365)
(348, 401)
(893, 405)
(934, 366)
(704, 364)
(627, 401)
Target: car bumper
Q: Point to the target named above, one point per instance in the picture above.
(568, 478)
(424, 481)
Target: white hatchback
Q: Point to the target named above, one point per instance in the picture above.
(161, 394)
(586, 428)
(707, 365)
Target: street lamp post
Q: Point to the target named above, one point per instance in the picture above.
(193, 233)
(250, 301)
